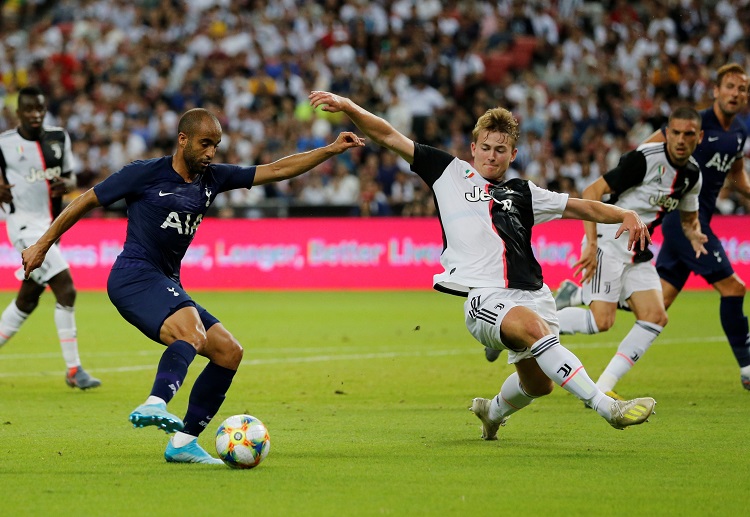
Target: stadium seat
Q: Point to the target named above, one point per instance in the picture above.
(523, 51)
(496, 65)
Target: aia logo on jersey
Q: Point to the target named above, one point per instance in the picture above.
(477, 195)
(48, 174)
(184, 226)
(721, 162)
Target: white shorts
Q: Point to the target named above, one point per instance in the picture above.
(53, 264)
(486, 307)
(615, 281)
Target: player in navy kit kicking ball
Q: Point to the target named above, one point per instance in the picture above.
(167, 198)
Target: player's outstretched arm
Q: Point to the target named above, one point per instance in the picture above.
(33, 256)
(656, 136)
(296, 164)
(589, 210)
(375, 128)
(691, 227)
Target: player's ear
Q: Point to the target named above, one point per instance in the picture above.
(700, 137)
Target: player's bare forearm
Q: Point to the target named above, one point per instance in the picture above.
(737, 178)
(656, 136)
(590, 210)
(375, 128)
(691, 227)
(77, 208)
(595, 211)
(296, 164)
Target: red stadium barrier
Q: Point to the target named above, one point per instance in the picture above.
(326, 253)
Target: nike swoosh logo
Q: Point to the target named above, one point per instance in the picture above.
(162, 194)
(713, 138)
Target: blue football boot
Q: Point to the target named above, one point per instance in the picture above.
(190, 453)
(157, 415)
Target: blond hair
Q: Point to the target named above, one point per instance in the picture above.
(498, 120)
(729, 68)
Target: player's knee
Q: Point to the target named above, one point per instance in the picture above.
(67, 295)
(536, 328)
(604, 322)
(27, 305)
(227, 352)
(522, 327)
(660, 318)
(236, 352)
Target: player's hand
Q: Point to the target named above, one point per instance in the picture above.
(6, 196)
(697, 240)
(638, 234)
(327, 101)
(586, 265)
(57, 188)
(346, 140)
(31, 258)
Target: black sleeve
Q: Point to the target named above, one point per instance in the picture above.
(430, 163)
(629, 172)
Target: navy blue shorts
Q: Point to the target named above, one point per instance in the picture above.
(676, 259)
(146, 298)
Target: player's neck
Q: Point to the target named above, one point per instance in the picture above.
(26, 134)
(178, 165)
(724, 119)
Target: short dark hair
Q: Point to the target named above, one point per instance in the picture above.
(31, 91)
(685, 113)
(191, 120)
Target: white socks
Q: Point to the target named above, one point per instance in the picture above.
(65, 321)
(511, 398)
(10, 321)
(155, 400)
(181, 439)
(566, 370)
(577, 319)
(632, 348)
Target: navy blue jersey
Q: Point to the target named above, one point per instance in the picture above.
(164, 210)
(715, 156)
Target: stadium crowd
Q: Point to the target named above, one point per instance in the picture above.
(587, 80)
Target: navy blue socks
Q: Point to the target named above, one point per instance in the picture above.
(173, 367)
(206, 397)
(734, 323)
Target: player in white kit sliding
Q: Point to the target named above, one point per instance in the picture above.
(488, 258)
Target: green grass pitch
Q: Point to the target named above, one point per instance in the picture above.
(365, 396)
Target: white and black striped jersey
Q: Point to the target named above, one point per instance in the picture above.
(486, 226)
(29, 166)
(647, 182)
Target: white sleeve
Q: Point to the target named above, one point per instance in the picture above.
(689, 202)
(547, 205)
(68, 163)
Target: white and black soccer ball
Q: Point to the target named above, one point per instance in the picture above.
(242, 441)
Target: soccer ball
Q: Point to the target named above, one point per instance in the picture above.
(242, 441)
